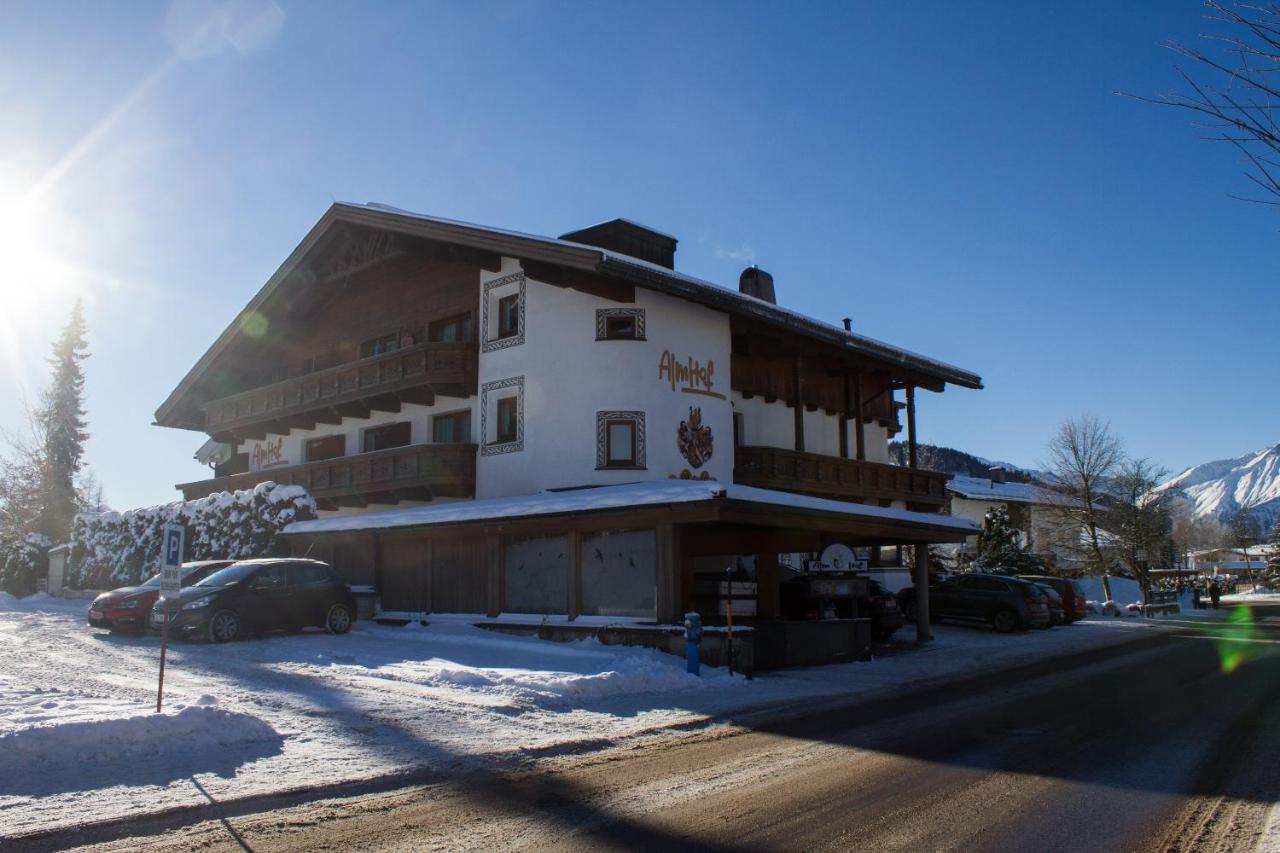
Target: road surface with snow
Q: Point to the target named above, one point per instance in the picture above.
(1166, 743)
(291, 712)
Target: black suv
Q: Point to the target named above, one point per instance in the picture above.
(1006, 603)
(256, 596)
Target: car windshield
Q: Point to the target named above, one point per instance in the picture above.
(152, 582)
(229, 575)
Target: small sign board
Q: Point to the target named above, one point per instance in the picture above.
(171, 561)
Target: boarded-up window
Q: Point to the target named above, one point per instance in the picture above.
(538, 575)
(619, 573)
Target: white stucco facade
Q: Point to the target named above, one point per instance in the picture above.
(566, 378)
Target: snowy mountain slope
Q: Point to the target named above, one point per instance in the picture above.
(1217, 489)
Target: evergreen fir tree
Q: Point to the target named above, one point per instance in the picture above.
(63, 424)
(1000, 545)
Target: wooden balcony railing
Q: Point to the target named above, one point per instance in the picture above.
(834, 477)
(419, 470)
(383, 382)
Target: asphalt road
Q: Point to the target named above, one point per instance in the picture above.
(1166, 743)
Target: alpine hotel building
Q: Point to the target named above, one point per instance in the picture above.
(494, 422)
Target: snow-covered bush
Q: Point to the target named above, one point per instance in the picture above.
(22, 563)
(114, 548)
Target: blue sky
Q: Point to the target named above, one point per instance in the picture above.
(959, 178)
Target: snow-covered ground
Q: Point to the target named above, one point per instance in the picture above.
(79, 741)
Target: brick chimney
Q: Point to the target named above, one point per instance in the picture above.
(996, 474)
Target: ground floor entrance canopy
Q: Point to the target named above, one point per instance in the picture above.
(628, 550)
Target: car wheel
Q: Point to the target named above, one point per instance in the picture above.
(339, 619)
(1004, 621)
(224, 626)
(1046, 626)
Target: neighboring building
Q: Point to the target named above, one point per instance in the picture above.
(497, 422)
(1035, 511)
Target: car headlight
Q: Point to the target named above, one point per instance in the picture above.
(198, 603)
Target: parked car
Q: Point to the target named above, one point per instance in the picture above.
(882, 607)
(1073, 600)
(257, 596)
(126, 608)
(1054, 601)
(1006, 603)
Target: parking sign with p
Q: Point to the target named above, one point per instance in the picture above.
(171, 562)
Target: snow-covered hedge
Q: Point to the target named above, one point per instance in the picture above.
(22, 563)
(116, 548)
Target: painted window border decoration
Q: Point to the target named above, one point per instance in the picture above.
(602, 440)
(602, 322)
(488, 345)
(486, 390)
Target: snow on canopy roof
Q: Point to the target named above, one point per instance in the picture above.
(601, 498)
(979, 488)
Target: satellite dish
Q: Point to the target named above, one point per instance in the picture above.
(839, 557)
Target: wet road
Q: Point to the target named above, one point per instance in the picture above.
(1166, 743)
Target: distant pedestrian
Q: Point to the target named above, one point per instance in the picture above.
(1214, 594)
(1195, 597)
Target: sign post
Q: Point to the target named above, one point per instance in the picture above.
(170, 587)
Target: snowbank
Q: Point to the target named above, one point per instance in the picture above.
(1123, 590)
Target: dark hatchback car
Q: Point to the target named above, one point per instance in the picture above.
(127, 608)
(258, 596)
(886, 615)
(1073, 606)
(1006, 603)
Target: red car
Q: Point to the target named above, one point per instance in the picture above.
(1072, 598)
(127, 608)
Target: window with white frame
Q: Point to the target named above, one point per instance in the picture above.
(620, 440)
(502, 416)
(502, 309)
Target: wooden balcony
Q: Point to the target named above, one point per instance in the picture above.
(417, 472)
(841, 479)
(379, 383)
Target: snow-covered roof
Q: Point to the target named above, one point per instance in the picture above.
(982, 489)
(654, 493)
(579, 256)
(655, 273)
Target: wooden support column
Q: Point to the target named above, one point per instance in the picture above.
(575, 574)
(494, 571)
(911, 426)
(797, 383)
(768, 594)
(859, 430)
(669, 563)
(923, 634)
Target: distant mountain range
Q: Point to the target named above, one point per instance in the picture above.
(1218, 489)
(948, 460)
(1212, 490)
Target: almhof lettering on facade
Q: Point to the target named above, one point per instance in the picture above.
(690, 376)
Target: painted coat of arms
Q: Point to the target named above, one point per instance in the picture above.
(694, 440)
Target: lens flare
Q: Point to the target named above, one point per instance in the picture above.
(1236, 642)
